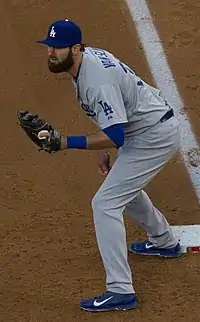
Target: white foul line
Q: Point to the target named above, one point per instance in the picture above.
(188, 236)
(164, 81)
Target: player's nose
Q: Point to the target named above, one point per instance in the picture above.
(51, 51)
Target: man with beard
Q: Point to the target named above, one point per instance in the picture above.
(134, 118)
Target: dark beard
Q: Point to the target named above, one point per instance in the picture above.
(63, 66)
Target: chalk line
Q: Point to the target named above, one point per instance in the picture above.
(163, 79)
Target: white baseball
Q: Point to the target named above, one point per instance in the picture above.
(44, 134)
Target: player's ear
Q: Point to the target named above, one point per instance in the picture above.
(76, 49)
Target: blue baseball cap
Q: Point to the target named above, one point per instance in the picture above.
(62, 33)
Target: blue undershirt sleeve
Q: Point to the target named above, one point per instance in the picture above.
(115, 133)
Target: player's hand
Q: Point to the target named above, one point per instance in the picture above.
(104, 163)
(39, 131)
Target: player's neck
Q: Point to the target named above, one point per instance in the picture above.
(75, 68)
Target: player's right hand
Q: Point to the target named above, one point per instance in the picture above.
(104, 163)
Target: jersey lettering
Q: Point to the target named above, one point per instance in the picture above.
(105, 60)
(125, 68)
(140, 83)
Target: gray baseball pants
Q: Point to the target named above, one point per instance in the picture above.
(137, 162)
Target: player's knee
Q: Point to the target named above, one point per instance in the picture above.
(96, 204)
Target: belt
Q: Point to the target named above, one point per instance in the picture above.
(167, 115)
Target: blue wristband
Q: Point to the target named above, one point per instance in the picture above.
(76, 142)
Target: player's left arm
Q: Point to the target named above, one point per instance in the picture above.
(110, 116)
(110, 137)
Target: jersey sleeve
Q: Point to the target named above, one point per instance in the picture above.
(107, 103)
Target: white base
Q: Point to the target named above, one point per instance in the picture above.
(188, 236)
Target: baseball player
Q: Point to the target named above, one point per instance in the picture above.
(135, 119)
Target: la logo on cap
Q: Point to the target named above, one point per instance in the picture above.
(52, 33)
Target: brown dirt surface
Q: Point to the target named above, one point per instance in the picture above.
(49, 258)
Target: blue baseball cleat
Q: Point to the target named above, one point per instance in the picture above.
(147, 248)
(109, 301)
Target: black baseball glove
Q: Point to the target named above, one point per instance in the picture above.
(32, 124)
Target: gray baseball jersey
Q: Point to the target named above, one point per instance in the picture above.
(110, 93)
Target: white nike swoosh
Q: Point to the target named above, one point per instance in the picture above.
(149, 246)
(100, 303)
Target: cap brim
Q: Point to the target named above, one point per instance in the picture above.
(52, 43)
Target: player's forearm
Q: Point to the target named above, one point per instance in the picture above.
(99, 141)
(95, 141)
